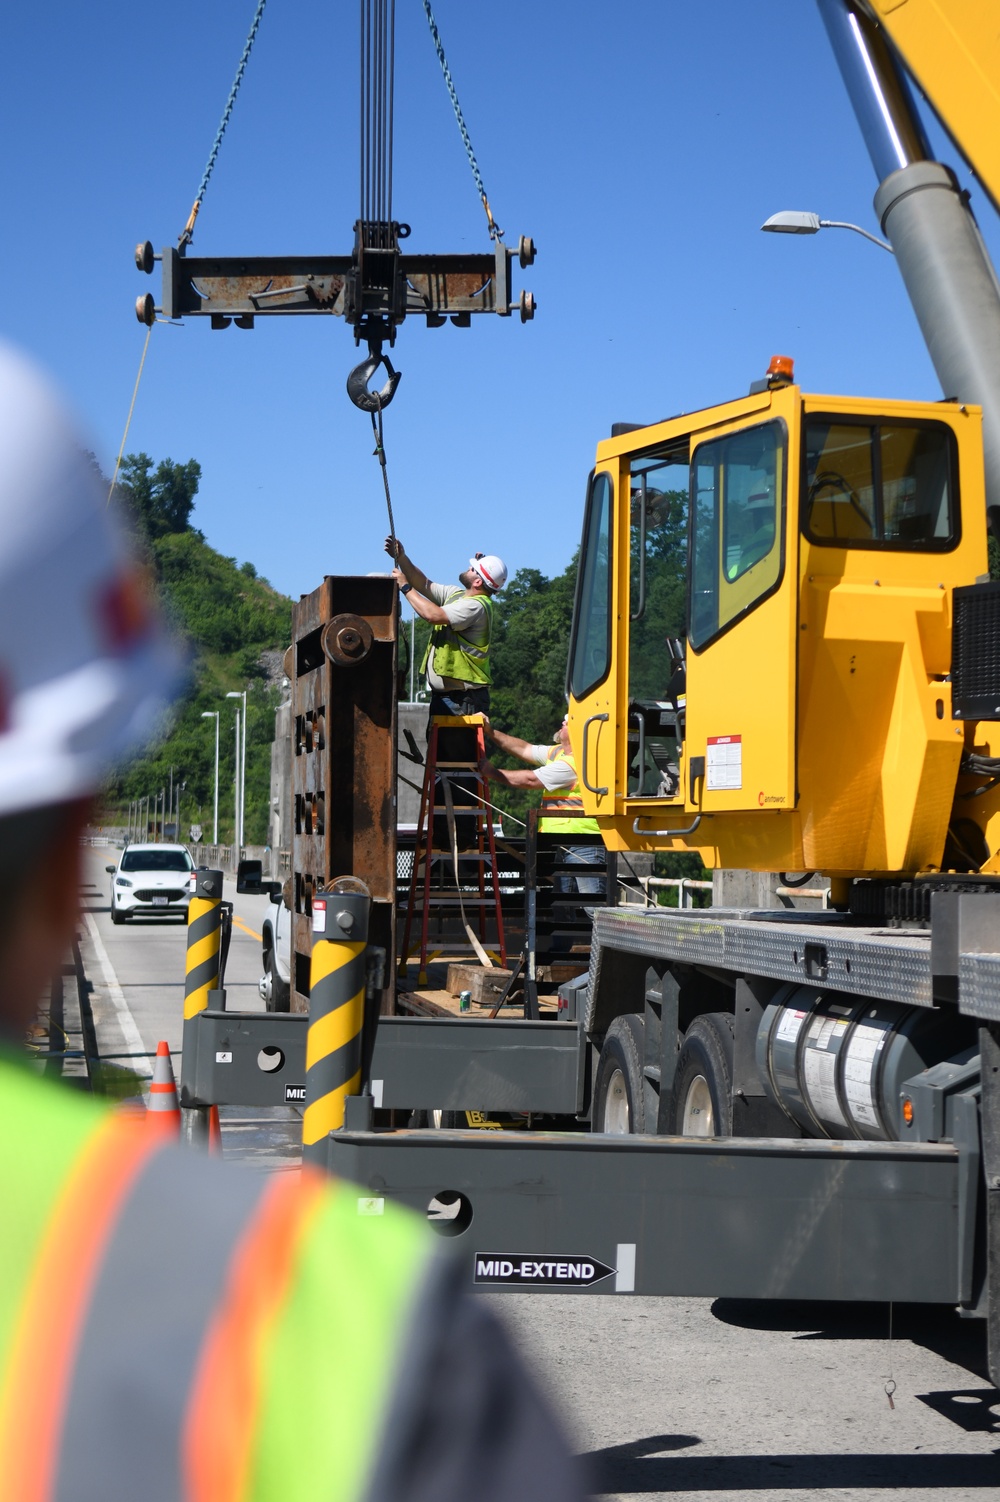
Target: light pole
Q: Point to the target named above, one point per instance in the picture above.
(213, 714)
(241, 767)
(802, 222)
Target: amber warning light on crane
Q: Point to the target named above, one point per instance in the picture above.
(781, 370)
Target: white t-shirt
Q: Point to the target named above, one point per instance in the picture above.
(551, 774)
(465, 614)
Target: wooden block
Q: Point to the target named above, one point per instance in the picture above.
(560, 972)
(485, 985)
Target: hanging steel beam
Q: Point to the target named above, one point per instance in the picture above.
(241, 289)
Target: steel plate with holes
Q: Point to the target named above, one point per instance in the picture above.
(243, 1058)
(744, 1218)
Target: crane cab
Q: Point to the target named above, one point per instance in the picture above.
(761, 643)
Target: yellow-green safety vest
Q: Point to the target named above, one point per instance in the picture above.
(454, 656)
(567, 801)
(184, 1330)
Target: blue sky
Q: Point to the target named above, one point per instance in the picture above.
(641, 145)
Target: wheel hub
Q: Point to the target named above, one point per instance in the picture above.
(698, 1119)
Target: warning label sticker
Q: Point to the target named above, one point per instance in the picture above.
(541, 1272)
(724, 765)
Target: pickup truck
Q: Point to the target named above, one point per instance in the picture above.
(276, 936)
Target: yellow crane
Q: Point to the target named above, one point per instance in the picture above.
(841, 709)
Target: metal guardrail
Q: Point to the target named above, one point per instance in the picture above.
(686, 887)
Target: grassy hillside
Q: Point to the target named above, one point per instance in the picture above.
(236, 627)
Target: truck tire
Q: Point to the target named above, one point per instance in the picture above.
(701, 1103)
(280, 1000)
(619, 1104)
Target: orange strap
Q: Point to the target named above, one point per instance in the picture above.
(221, 1424)
(37, 1381)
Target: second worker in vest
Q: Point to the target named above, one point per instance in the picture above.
(554, 771)
(457, 660)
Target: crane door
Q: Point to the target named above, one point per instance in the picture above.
(739, 749)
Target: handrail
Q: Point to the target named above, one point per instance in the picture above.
(640, 609)
(601, 719)
(688, 829)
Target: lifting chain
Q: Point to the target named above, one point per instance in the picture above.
(496, 233)
(188, 230)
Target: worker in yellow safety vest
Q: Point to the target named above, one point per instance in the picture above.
(553, 770)
(457, 659)
(174, 1327)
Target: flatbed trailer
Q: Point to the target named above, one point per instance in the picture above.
(769, 1213)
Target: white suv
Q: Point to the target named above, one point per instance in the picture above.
(151, 879)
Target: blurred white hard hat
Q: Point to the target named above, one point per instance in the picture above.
(491, 569)
(85, 663)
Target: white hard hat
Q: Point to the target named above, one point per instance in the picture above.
(85, 664)
(491, 569)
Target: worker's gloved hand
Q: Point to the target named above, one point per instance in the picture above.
(394, 547)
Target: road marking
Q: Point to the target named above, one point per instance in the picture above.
(238, 922)
(133, 1037)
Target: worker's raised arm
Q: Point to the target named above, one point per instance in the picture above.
(413, 575)
(516, 779)
(513, 745)
(427, 609)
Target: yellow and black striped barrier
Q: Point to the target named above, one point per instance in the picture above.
(204, 942)
(336, 1015)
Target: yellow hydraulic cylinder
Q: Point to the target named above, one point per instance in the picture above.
(336, 1014)
(204, 942)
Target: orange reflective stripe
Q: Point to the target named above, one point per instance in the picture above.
(36, 1385)
(221, 1424)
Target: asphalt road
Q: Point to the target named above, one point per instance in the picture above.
(136, 971)
(662, 1397)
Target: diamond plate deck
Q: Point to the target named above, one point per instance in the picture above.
(979, 986)
(888, 964)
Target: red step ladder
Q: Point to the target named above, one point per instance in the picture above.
(455, 828)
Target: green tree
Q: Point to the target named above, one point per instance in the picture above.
(160, 500)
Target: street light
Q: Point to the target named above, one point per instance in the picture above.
(213, 714)
(801, 222)
(241, 767)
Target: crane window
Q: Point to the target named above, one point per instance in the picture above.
(880, 485)
(737, 510)
(590, 655)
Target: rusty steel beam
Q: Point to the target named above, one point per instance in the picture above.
(244, 288)
(343, 661)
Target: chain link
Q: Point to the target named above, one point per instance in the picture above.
(188, 230)
(496, 233)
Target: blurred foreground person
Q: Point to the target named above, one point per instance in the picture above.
(172, 1327)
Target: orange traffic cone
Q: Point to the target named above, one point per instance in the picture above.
(214, 1132)
(163, 1114)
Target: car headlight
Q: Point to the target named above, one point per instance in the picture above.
(122, 881)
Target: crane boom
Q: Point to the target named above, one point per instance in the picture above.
(953, 53)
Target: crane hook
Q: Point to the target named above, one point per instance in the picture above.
(357, 381)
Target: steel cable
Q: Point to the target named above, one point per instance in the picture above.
(377, 99)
